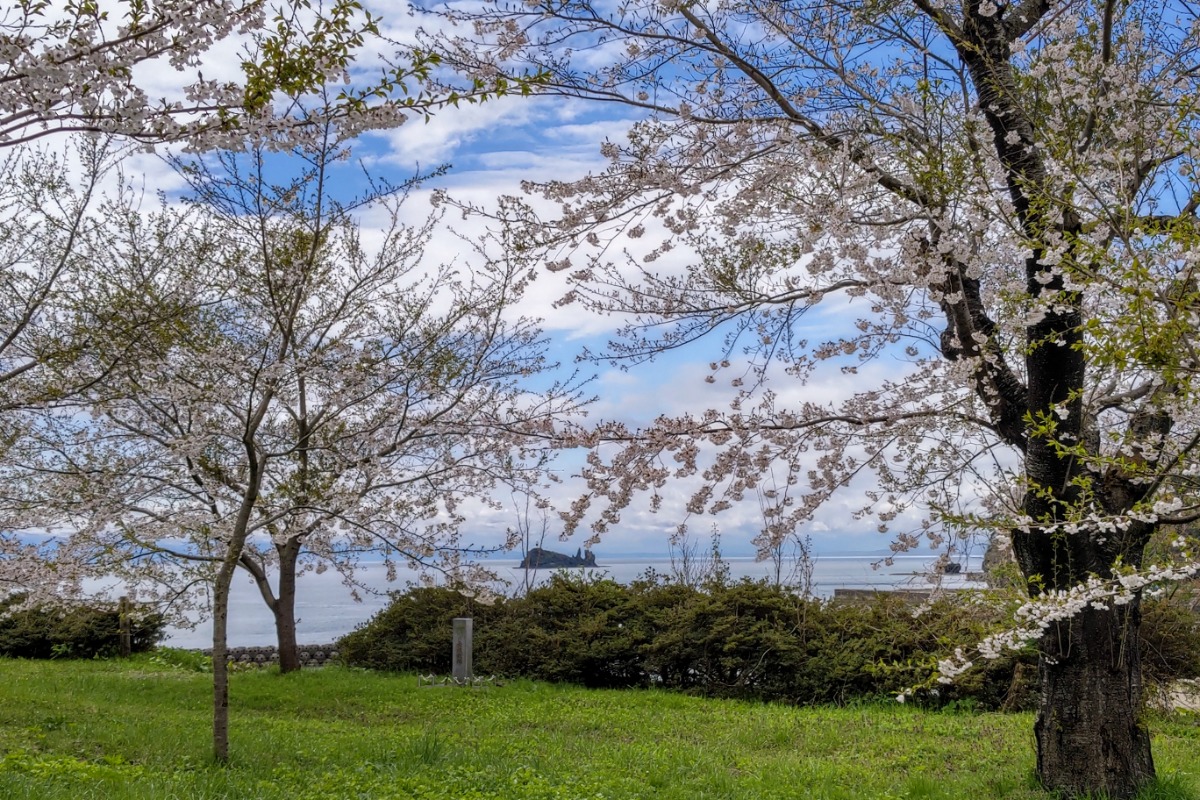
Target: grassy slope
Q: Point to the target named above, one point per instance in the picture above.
(140, 730)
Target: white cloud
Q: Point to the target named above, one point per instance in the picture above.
(450, 130)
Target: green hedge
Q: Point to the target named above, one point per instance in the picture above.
(741, 640)
(78, 631)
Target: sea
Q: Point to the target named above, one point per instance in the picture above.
(326, 609)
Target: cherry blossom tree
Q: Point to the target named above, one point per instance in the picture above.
(331, 393)
(999, 197)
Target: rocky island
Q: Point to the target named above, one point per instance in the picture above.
(537, 558)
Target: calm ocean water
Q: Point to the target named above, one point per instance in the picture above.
(326, 609)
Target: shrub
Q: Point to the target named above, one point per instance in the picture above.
(574, 629)
(745, 640)
(736, 640)
(76, 631)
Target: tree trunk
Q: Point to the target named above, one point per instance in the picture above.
(221, 586)
(1090, 737)
(220, 652)
(285, 610)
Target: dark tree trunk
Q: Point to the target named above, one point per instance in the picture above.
(220, 666)
(285, 609)
(1090, 737)
(281, 603)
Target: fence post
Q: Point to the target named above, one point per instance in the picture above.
(462, 671)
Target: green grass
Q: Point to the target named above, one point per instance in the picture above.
(140, 729)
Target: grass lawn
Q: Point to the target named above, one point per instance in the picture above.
(140, 729)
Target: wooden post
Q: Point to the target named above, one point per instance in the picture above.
(124, 607)
(462, 671)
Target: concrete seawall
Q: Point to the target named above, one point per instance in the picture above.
(311, 655)
(914, 596)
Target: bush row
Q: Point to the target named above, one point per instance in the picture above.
(79, 631)
(742, 640)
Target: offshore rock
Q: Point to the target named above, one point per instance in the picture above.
(538, 558)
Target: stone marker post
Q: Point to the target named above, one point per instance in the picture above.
(124, 609)
(462, 671)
